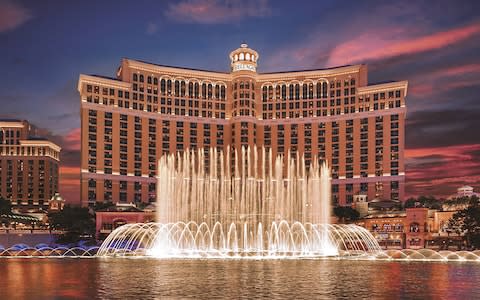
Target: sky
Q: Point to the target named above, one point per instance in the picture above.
(435, 45)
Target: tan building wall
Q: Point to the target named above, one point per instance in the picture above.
(29, 167)
(128, 122)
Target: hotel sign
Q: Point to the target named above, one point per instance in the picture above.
(244, 67)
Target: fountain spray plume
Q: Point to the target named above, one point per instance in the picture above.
(241, 203)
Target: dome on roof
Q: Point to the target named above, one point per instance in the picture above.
(57, 197)
(244, 59)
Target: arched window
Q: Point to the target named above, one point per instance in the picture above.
(169, 86)
(155, 80)
(182, 88)
(310, 91)
(204, 90)
(242, 85)
(141, 78)
(284, 92)
(297, 91)
(304, 91)
(197, 90)
(270, 92)
(319, 90)
(135, 77)
(177, 88)
(264, 93)
(414, 227)
(162, 86)
(118, 223)
(210, 91)
(222, 92)
(324, 90)
(290, 92)
(217, 91)
(277, 92)
(190, 89)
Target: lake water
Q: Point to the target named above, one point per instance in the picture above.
(236, 279)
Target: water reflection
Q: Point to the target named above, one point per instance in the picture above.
(233, 279)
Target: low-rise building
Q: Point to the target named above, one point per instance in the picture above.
(110, 218)
(412, 228)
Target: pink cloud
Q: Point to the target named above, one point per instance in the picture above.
(440, 170)
(72, 139)
(12, 15)
(457, 151)
(70, 184)
(440, 81)
(216, 11)
(459, 70)
(384, 44)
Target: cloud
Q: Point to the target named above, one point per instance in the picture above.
(442, 128)
(12, 15)
(385, 43)
(445, 79)
(72, 139)
(70, 183)
(440, 170)
(216, 11)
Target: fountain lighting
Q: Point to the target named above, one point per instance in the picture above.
(42, 250)
(243, 203)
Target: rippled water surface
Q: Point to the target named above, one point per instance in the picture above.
(234, 279)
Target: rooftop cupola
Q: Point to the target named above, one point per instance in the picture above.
(243, 59)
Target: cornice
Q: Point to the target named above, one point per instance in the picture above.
(40, 143)
(383, 87)
(13, 124)
(173, 71)
(293, 75)
(102, 81)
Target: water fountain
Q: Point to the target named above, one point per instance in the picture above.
(240, 204)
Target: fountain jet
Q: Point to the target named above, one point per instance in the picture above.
(240, 203)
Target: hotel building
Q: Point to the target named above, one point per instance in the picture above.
(28, 166)
(150, 109)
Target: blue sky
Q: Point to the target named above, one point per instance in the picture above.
(45, 45)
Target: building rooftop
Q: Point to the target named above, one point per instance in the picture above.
(308, 70)
(37, 138)
(105, 77)
(175, 67)
(10, 120)
(121, 208)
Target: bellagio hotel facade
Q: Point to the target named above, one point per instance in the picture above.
(332, 114)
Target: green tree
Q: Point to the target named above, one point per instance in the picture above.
(468, 220)
(346, 213)
(102, 205)
(77, 223)
(423, 201)
(5, 206)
